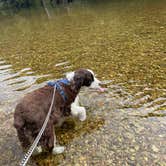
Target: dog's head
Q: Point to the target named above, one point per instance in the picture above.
(83, 77)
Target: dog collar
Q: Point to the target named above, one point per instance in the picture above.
(57, 85)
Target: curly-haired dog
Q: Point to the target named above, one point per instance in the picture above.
(32, 110)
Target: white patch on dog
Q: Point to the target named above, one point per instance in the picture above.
(70, 76)
(57, 149)
(96, 82)
(77, 111)
(91, 72)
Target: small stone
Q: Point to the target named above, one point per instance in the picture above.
(161, 27)
(154, 148)
(136, 147)
(146, 159)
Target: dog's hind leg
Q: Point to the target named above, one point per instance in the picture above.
(19, 124)
(57, 149)
(23, 139)
(46, 142)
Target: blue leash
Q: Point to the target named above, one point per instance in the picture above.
(57, 85)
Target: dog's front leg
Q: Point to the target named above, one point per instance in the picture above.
(57, 149)
(78, 111)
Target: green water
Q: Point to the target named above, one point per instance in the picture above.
(121, 41)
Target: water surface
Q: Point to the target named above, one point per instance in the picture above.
(124, 42)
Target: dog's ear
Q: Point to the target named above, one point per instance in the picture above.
(78, 81)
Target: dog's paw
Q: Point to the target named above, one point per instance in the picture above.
(37, 150)
(58, 149)
(82, 114)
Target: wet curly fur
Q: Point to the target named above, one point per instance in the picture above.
(32, 110)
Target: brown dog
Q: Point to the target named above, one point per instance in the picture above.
(32, 110)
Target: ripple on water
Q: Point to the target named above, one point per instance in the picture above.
(14, 84)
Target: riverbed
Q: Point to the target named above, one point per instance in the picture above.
(124, 43)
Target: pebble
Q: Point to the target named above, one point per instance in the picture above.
(154, 148)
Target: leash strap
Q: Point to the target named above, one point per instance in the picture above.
(59, 87)
(33, 146)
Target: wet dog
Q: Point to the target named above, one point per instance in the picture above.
(32, 110)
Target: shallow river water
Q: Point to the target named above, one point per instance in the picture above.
(124, 43)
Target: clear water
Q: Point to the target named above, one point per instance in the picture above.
(124, 42)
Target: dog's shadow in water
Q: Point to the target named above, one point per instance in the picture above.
(65, 134)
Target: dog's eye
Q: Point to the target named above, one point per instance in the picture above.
(89, 82)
